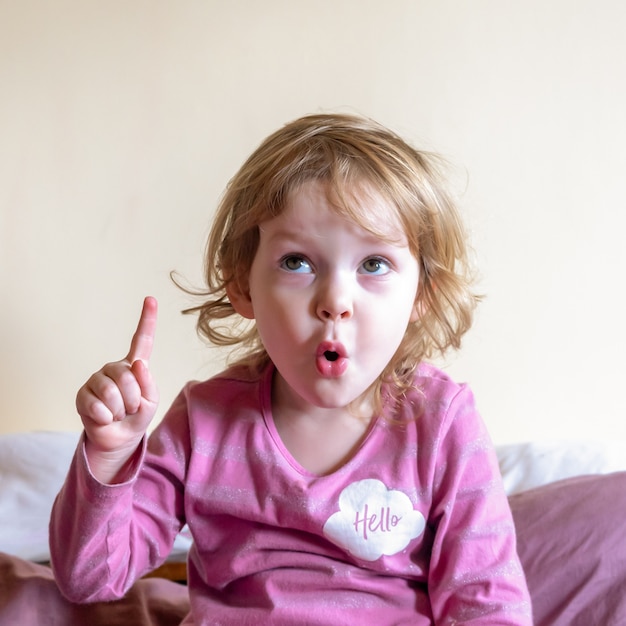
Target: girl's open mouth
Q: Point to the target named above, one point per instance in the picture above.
(331, 359)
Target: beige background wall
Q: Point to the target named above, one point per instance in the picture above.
(121, 122)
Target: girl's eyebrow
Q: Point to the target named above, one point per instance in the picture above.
(303, 236)
(282, 233)
(300, 233)
(296, 235)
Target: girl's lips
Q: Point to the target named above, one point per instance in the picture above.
(331, 359)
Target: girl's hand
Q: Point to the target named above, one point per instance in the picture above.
(118, 403)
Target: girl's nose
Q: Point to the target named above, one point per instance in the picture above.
(334, 300)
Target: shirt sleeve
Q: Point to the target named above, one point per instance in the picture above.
(104, 537)
(475, 576)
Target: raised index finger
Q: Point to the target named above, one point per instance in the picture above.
(143, 339)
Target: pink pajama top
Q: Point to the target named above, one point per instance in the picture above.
(414, 529)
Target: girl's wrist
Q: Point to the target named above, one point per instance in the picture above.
(112, 467)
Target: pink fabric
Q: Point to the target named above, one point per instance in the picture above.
(415, 527)
(572, 542)
(29, 597)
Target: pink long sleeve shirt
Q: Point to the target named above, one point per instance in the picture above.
(414, 529)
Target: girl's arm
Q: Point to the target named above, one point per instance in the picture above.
(475, 574)
(105, 536)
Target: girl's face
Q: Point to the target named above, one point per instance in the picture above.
(331, 301)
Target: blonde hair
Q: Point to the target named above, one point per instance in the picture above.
(345, 152)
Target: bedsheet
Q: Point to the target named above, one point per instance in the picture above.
(29, 597)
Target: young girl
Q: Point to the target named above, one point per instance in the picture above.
(330, 476)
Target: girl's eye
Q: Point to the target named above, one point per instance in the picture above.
(375, 265)
(297, 264)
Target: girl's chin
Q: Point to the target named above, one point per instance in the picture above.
(324, 392)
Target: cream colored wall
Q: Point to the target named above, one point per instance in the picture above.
(121, 122)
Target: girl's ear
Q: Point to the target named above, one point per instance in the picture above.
(239, 296)
(419, 306)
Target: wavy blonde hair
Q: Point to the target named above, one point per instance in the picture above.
(347, 153)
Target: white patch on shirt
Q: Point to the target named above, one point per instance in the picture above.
(373, 521)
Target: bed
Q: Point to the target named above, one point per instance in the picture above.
(568, 501)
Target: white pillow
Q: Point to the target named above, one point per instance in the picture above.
(527, 465)
(32, 469)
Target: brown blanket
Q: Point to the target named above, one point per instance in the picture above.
(29, 597)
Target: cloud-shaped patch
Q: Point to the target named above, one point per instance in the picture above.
(373, 521)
